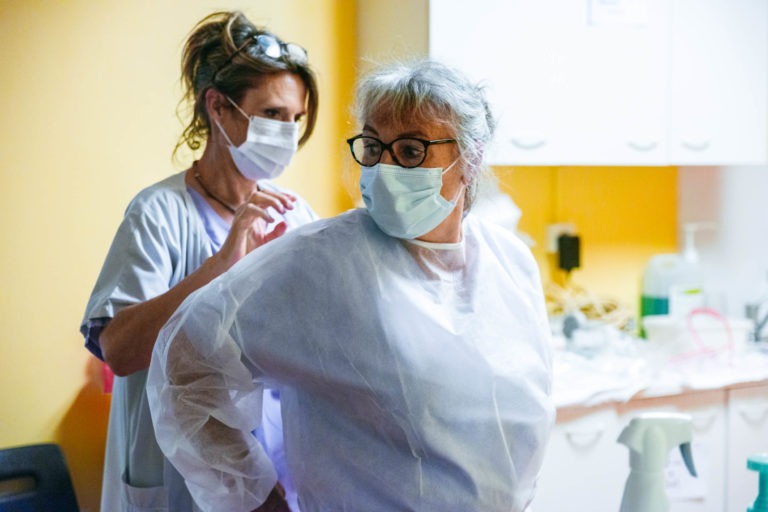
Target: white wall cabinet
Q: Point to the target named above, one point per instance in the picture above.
(591, 82)
(585, 468)
(719, 82)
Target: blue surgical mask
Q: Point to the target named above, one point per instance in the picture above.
(405, 203)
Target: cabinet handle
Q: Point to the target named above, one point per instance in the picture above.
(753, 415)
(702, 422)
(642, 146)
(527, 144)
(585, 438)
(698, 145)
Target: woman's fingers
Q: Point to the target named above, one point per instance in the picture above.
(248, 213)
(277, 200)
(252, 227)
(279, 231)
(260, 233)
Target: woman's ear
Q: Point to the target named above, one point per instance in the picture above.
(215, 103)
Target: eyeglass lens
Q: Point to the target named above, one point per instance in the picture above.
(269, 46)
(367, 151)
(273, 48)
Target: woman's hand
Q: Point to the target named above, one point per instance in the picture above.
(275, 501)
(127, 340)
(251, 225)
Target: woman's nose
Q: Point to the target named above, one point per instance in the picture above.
(386, 157)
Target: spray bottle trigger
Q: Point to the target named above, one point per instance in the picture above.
(685, 451)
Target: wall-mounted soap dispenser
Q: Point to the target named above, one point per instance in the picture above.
(650, 437)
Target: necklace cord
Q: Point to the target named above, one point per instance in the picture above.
(229, 208)
(210, 194)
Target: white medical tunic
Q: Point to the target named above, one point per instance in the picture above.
(412, 376)
(161, 240)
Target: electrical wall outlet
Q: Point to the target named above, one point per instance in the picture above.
(555, 230)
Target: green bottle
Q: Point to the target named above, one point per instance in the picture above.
(759, 463)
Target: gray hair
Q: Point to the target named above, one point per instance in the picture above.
(430, 90)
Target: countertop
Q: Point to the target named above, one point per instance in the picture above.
(625, 368)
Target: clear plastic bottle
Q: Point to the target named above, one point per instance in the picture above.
(673, 284)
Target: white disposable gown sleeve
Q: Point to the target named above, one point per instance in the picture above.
(211, 404)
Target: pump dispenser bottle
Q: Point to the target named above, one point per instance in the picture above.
(650, 437)
(759, 463)
(673, 284)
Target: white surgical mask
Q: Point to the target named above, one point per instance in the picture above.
(268, 148)
(405, 203)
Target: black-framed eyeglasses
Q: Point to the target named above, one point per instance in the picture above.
(407, 152)
(270, 46)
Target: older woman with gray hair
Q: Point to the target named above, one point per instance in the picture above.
(408, 339)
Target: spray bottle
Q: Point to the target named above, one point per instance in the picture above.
(759, 463)
(650, 437)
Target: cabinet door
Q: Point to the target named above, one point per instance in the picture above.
(567, 86)
(610, 85)
(719, 82)
(747, 435)
(584, 468)
(512, 47)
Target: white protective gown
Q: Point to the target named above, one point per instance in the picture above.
(412, 376)
(160, 241)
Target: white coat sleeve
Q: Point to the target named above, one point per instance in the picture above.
(204, 404)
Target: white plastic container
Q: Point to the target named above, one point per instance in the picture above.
(676, 339)
(673, 284)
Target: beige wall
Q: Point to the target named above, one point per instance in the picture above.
(391, 30)
(87, 118)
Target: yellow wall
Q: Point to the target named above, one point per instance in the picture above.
(623, 215)
(87, 100)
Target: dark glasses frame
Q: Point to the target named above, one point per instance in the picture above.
(388, 147)
(270, 46)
